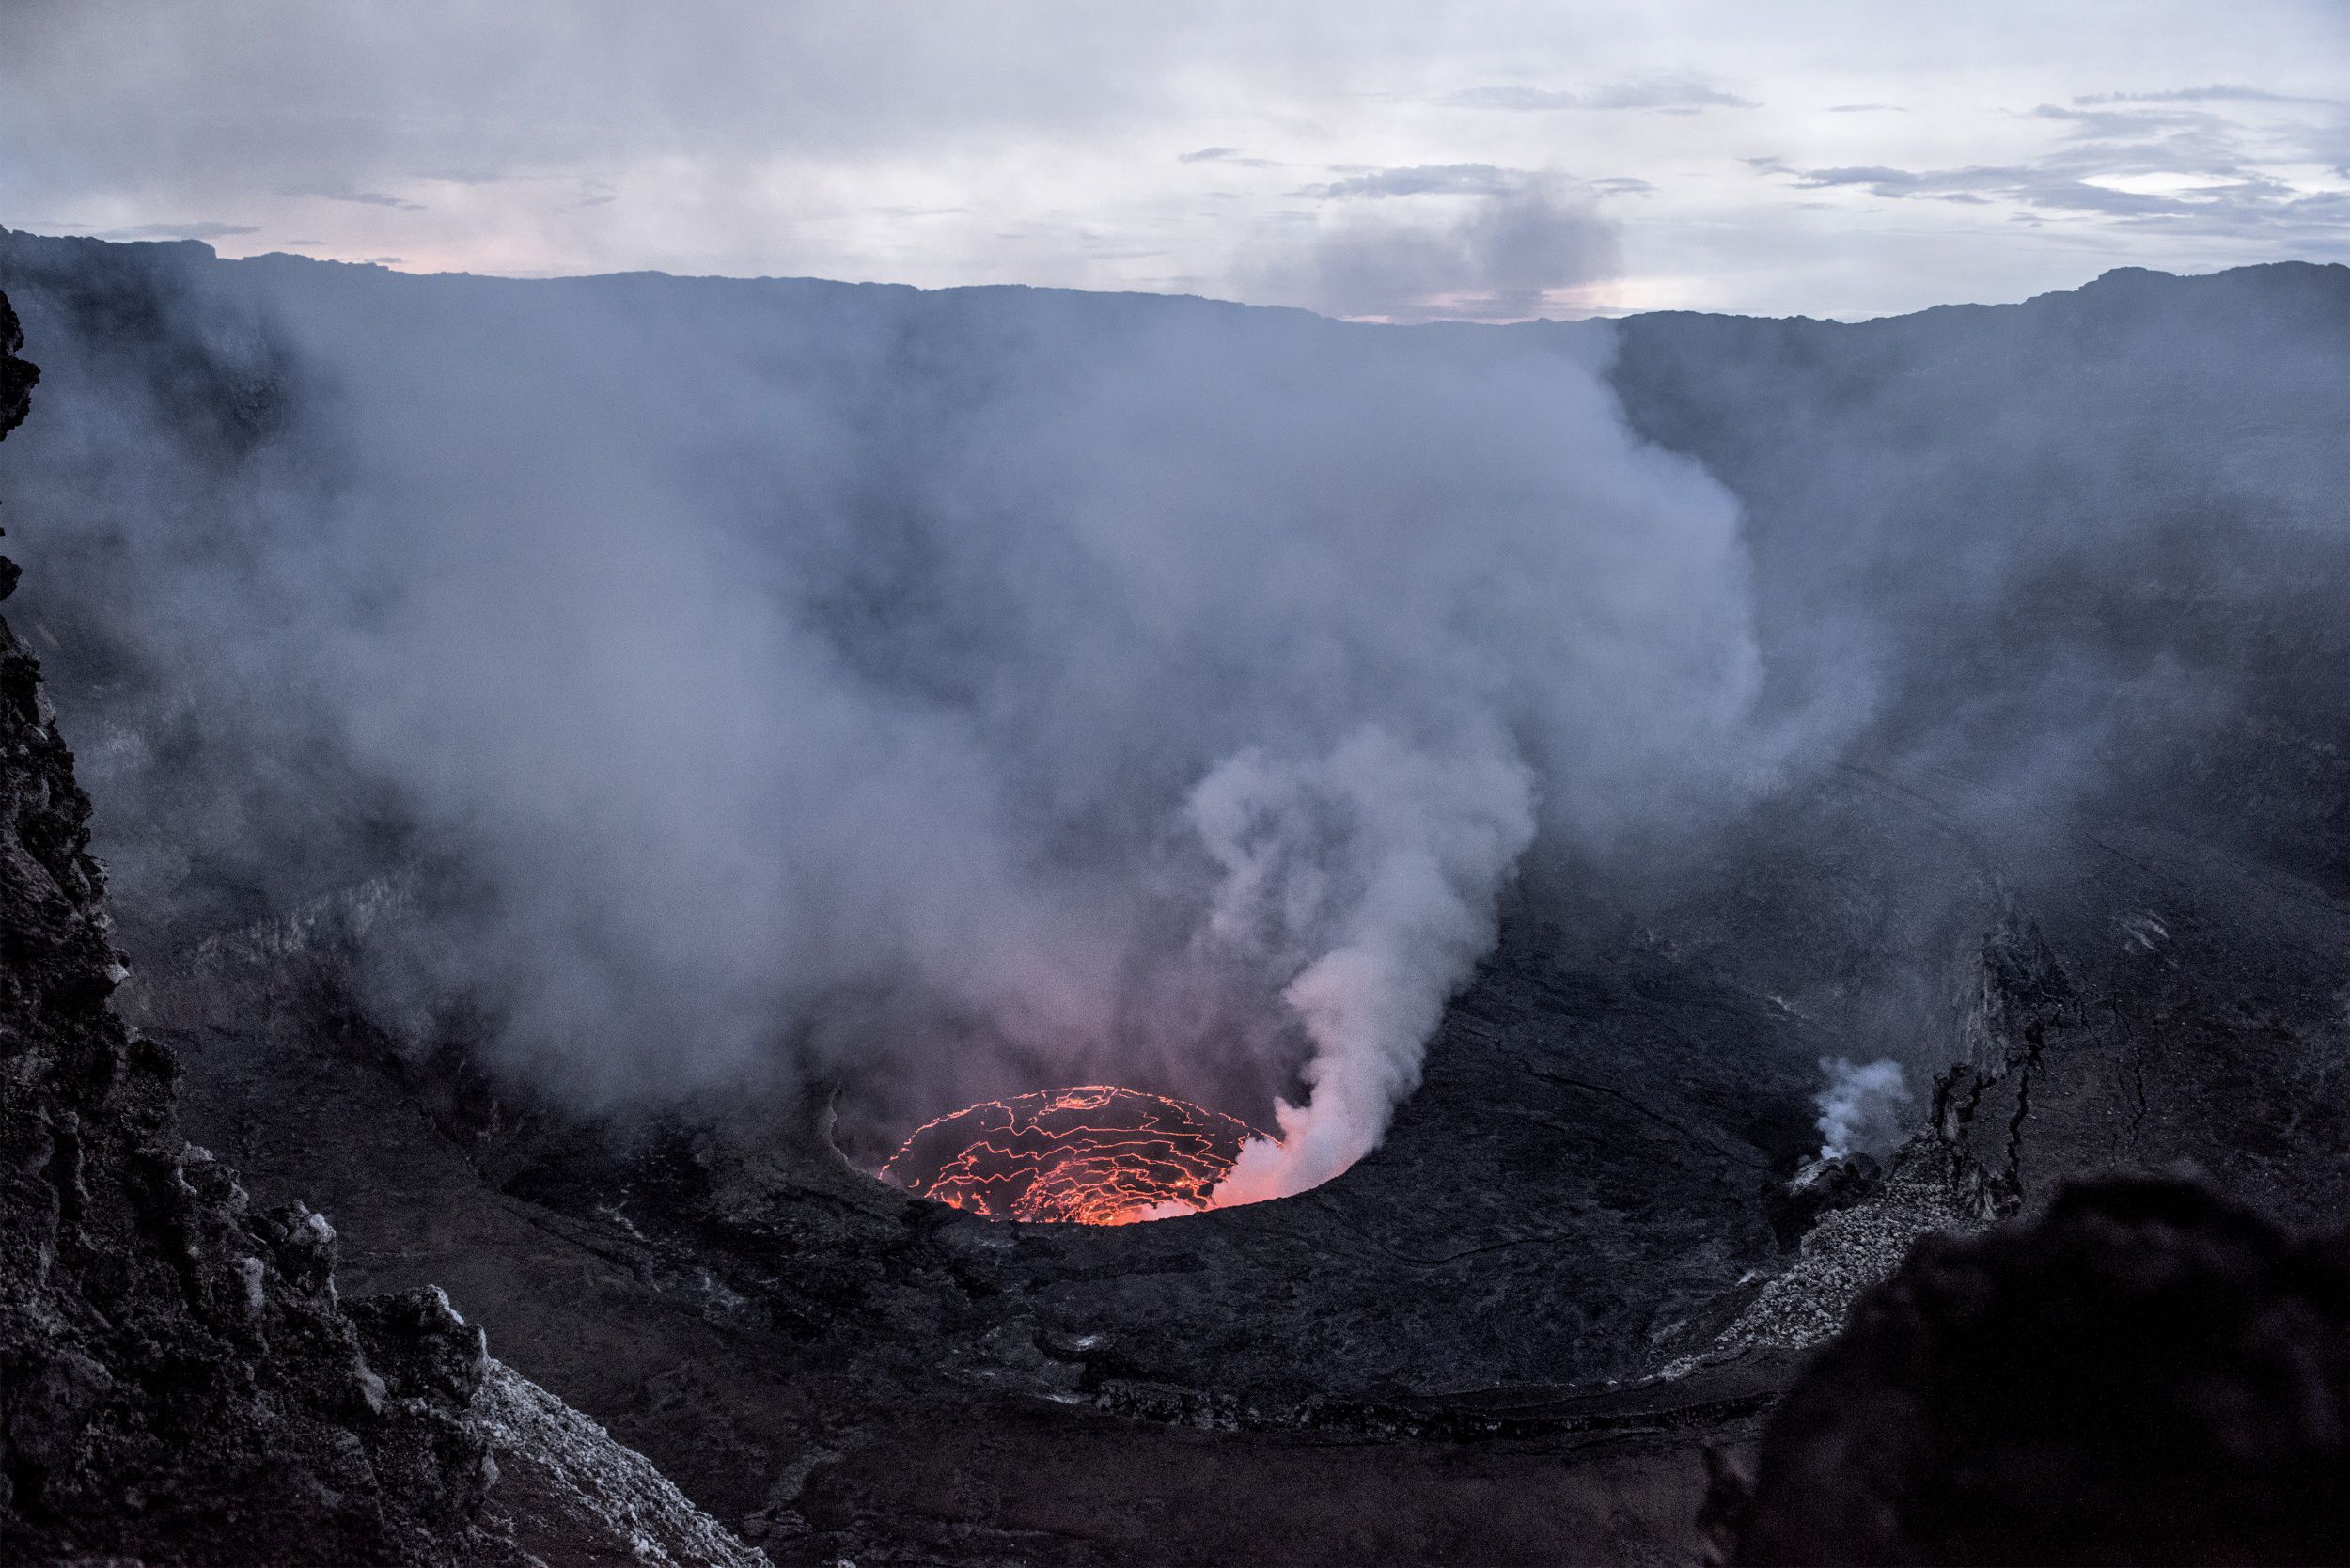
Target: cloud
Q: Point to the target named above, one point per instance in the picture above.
(2145, 160)
(750, 139)
(2214, 94)
(2117, 124)
(367, 198)
(180, 231)
(1422, 179)
(1529, 100)
(1879, 180)
(1516, 249)
(308, 97)
(1228, 156)
(1668, 94)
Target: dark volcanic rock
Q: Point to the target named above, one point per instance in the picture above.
(179, 1380)
(1824, 1186)
(2147, 1375)
(18, 375)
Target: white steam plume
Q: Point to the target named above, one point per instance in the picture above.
(1860, 1105)
(1425, 844)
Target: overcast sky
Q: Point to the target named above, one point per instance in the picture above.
(1360, 157)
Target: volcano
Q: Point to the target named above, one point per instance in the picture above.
(1094, 1154)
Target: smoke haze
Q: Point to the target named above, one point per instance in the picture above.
(947, 696)
(961, 693)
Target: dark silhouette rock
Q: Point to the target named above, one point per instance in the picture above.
(18, 375)
(2148, 1373)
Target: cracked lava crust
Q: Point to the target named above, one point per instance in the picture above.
(1092, 1154)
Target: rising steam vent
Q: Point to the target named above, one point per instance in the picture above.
(1089, 1155)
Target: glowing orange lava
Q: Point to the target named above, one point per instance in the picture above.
(1089, 1155)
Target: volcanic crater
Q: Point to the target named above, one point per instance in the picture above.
(1582, 1253)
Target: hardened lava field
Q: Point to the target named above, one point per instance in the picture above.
(1089, 1155)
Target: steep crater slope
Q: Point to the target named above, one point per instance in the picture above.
(179, 1381)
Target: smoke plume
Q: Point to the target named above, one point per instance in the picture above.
(1375, 954)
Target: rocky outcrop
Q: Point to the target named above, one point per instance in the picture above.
(18, 375)
(567, 1493)
(2149, 1374)
(179, 1381)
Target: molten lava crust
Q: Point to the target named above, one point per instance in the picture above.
(1089, 1155)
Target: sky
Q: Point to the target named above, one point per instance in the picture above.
(1362, 158)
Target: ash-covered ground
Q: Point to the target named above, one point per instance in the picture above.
(2047, 596)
